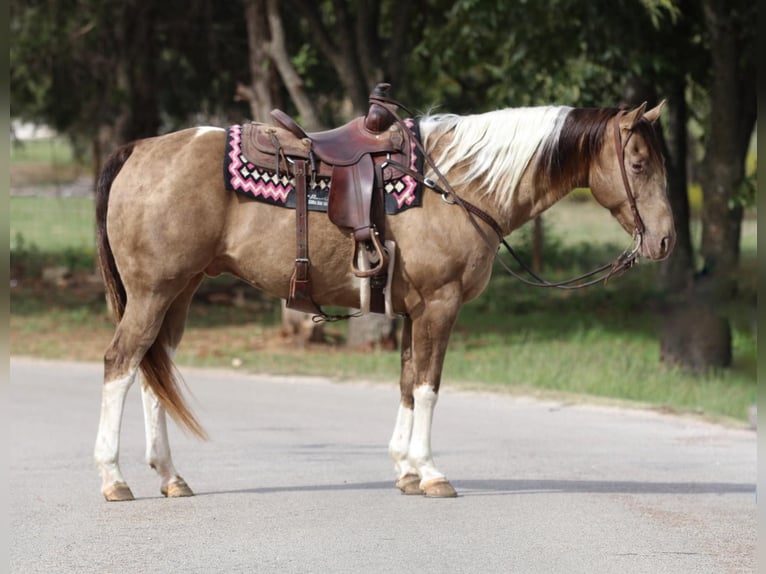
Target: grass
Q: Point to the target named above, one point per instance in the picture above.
(43, 162)
(600, 343)
(52, 224)
(54, 150)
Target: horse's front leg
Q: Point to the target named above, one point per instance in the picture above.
(424, 344)
(408, 479)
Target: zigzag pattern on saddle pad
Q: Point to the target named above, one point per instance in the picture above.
(262, 183)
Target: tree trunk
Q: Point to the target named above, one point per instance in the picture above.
(301, 326)
(263, 76)
(731, 122)
(694, 334)
(137, 74)
(277, 50)
(675, 273)
(340, 49)
(371, 332)
(695, 337)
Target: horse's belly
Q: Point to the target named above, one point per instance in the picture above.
(260, 248)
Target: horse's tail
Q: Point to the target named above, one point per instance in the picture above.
(156, 365)
(115, 290)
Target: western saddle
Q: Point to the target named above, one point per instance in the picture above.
(355, 157)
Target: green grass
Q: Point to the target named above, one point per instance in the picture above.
(51, 224)
(600, 342)
(53, 150)
(44, 163)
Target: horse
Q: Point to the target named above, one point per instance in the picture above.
(165, 221)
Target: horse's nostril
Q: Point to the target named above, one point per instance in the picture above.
(664, 245)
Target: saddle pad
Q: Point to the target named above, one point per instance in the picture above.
(263, 183)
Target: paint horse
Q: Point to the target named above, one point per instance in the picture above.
(165, 221)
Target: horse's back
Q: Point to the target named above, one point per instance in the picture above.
(181, 160)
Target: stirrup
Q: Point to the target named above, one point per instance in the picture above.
(380, 251)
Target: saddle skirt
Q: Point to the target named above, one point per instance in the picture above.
(250, 169)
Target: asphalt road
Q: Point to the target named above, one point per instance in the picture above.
(296, 478)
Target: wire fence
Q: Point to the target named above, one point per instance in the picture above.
(53, 219)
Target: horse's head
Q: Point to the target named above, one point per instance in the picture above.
(628, 178)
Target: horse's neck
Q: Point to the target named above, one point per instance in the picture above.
(534, 195)
(513, 178)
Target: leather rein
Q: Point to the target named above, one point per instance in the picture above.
(622, 263)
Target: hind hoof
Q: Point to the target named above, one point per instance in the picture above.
(409, 484)
(439, 488)
(118, 492)
(176, 489)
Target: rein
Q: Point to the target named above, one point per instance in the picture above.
(622, 263)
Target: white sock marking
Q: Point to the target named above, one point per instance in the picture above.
(399, 445)
(419, 455)
(156, 430)
(107, 450)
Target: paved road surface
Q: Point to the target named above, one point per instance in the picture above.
(296, 478)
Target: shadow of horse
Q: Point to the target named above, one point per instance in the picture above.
(498, 487)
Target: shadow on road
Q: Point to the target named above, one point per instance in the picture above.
(516, 487)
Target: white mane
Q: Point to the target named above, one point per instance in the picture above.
(494, 148)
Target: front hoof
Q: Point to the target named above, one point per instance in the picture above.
(176, 489)
(117, 492)
(438, 488)
(409, 484)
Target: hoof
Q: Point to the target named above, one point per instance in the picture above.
(409, 484)
(176, 489)
(118, 492)
(438, 488)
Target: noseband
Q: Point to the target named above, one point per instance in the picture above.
(622, 263)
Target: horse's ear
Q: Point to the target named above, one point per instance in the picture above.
(653, 115)
(631, 118)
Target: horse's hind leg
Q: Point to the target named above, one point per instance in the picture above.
(107, 450)
(135, 333)
(155, 420)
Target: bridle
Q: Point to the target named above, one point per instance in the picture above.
(622, 263)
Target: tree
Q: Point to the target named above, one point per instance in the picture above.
(696, 334)
(79, 65)
(733, 111)
(264, 89)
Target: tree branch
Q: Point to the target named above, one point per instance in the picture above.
(258, 93)
(278, 52)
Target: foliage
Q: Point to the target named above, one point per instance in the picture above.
(483, 56)
(29, 261)
(74, 68)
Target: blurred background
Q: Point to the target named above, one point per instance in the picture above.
(88, 75)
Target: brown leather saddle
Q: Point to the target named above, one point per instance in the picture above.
(355, 158)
